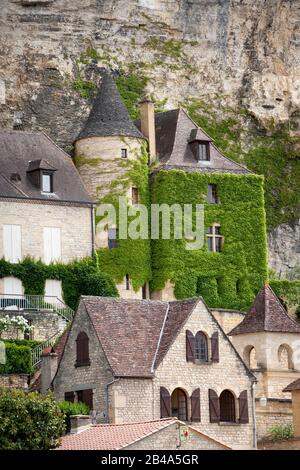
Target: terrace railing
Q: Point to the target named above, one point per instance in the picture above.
(37, 352)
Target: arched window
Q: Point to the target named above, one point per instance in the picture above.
(250, 357)
(285, 357)
(201, 349)
(179, 404)
(227, 407)
(82, 350)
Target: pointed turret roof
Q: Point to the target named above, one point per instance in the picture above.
(109, 115)
(266, 314)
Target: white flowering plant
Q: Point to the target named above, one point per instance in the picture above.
(18, 323)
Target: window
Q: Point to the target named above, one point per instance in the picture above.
(53, 290)
(12, 243)
(201, 350)
(70, 396)
(85, 396)
(250, 357)
(214, 238)
(212, 194)
(179, 404)
(82, 350)
(145, 291)
(52, 244)
(285, 357)
(123, 153)
(127, 282)
(203, 151)
(47, 182)
(28, 334)
(112, 238)
(13, 298)
(227, 407)
(135, 196)
(238, 286)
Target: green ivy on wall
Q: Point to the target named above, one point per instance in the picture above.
(78, 278)
(130, 257)
(229, 279)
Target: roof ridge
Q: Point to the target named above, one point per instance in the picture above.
(284, 312)
(134, 423)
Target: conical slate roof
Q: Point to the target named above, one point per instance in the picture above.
(266, 314)
(109, 115)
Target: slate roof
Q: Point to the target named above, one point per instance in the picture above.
(292, 386)
(266, 314)
(109, 115)
(22, 150)
(174, 130)
(130, 331)
(120, 436)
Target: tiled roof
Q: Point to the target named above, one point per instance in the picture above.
(21, 151)
(119, 436)
(174, 130)
(266, 314)
(292, 386)
(109, 115)
(130, 330)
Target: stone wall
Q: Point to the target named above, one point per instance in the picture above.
(45, 324)
(228, 319)
(74, 222)
(14, 381)
(96, 376)
(275, 412)
(169, 439)
(284, 247)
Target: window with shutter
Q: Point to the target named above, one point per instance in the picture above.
(190, 346)
(82, 350)
(243, 407)
(201, 350)
(179, 404)
(195, 406)
(86, 396)
(52, 244)
(214, 406)
(215, 347)
(165, 403)
(70, 396)
(12, 243)
(227, 407)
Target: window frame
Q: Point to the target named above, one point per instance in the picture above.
(230, 408)
(124, 153)
(50, 174)
(213, 236)
(205, 144)
(83, 354)
(112, 242)
(198, 356)
(212, 194)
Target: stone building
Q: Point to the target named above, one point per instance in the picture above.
(163, 434)
(137, 360)
(268, 340)
(45, 214)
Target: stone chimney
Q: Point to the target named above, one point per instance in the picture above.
(148, 125)
(79, 423)
(48, 369)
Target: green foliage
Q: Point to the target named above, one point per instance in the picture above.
(229, 279)
(18, 359)
(287, 290)
(85, 88)
(29, 421)
(24, 342)
(132, 88)
(130, 257)
(78, 278)
(170, 47)
(70, 409)
(281, 431)
(272, 152)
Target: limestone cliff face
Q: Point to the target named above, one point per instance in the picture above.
(241, 53)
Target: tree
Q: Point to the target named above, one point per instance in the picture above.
(29, 421)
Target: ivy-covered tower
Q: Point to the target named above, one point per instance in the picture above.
(111, 157)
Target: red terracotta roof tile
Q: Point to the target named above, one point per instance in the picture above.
(266, 314)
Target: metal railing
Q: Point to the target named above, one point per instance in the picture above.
(37, 352)
(47, 303)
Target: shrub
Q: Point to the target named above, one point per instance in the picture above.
(29, 421)
(18, 359)
(23, 342)
(69, 409)
(281, 431)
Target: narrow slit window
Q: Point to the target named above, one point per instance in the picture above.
(212, 194)
(203, 151)
(123, 153)
(135, 196)
(112, 238)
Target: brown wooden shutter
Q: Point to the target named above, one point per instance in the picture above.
(215, 347)
(87, 398)
(82, 348)
(190, 346)
(165, 403)
(243, 407)
(195, 406)
(70, 396)
(214, 406)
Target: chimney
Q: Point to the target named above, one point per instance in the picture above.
(48, 369)
(79, 423)
(148, 125)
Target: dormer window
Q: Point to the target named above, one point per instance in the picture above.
(203, 151)
(47, 182)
